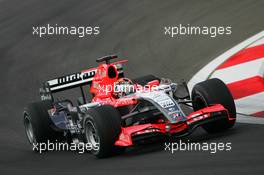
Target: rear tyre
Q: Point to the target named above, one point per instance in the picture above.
(145, 79)
(214, 91)
(102, 126)
(38, 125)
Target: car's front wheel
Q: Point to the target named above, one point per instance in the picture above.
(102, 126)
(210, 92)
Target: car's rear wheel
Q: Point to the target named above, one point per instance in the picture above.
(38, 124)
(214, 91)
(102, 126)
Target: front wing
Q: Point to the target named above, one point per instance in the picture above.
(132, 134)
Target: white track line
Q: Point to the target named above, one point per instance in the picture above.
(258, 42)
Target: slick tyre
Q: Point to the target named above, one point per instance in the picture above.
(102, 126)
(214, 91)
(38, 125)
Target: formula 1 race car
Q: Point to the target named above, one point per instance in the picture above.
(124, 112)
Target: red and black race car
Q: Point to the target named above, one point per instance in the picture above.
(124, 112)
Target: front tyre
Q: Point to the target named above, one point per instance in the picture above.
(102, 126)
(214, 91)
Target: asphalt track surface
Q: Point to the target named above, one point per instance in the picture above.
(133, 30)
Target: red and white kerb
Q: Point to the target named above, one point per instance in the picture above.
(243, 73)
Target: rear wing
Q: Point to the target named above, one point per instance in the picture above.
(70, 81)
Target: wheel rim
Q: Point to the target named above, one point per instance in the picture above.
(29, 130)
(91, 134)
